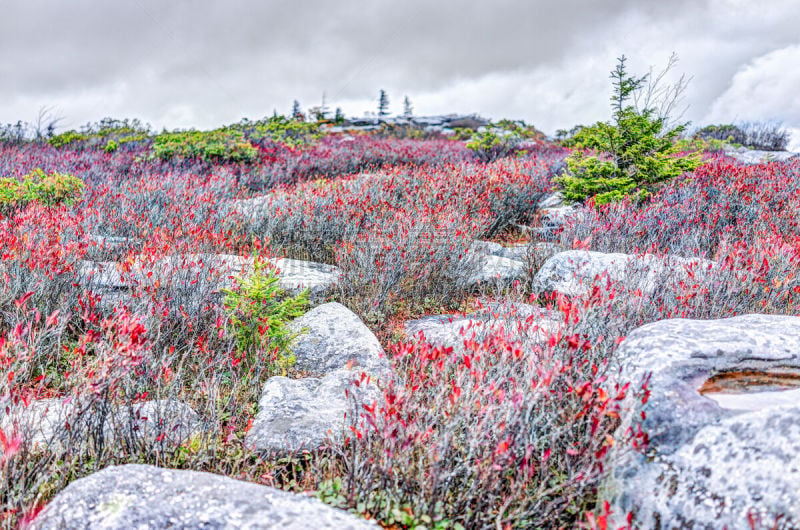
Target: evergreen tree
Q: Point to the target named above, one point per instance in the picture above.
(297, 113)
(408, 110)
(630, 154)
(338, 116)
(383, 104)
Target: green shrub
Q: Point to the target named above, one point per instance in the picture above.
(48, 189)
(767, 136)
(219, 145)
(111, 146)
(66, 138)
(259, 312)
(290, 132)
(628, 155)
(490, 145)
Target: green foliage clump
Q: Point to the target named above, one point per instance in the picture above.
(766, 136)
(219, 145)
(49, 189)
(462, 133)
(520, 129)
(107, 134)
(259, 311)
(490, 145)
(502, 139)
(291, 132)
(628, 155)
(66, 138)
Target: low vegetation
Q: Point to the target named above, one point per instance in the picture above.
(115, 293)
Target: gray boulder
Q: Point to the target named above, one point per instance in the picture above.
(297, 275)
(221, 269)
(335, 346)
(333, 337)
(140, 496)
(552, 200)
(746, 464)
(574, 272)
(552, 219)
(711, 460)
(496, 271)
(296, 414)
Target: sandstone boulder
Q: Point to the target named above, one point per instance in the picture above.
(722, 441)
(140, 496)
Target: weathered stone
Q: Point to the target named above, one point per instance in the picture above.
(519, 321)
(485, 248)
(553, 219)
(552, 200)
(573, 272)
(515, 252)
(296, 275)
(53, 423)
(755, 156)
(199, 274)
(42, 422)
(104, 248)
(140, 496)
(164, 420)
(296, 414)
(496, 271)
(333, 337)
(709, 465)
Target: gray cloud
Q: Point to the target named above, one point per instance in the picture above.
(202, 63)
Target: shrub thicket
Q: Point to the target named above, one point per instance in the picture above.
(220, 145)
(764, 136)
(47, 189)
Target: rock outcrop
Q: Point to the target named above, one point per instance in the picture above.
(140, 496)
(296, 414)
(519, 321)
(574, 272)
(333, 337)
(336, 348)
(712, 462)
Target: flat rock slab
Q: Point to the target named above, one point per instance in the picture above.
(297, 414)
(519, 321)
(195, 272)
(294, 275)
(331, 338)
(708, 465)
(574, 272)
(44, 423)
(755, 156)
(140, 496)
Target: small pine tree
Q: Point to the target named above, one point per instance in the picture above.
(408, 110)
(338, 116)
(383, 104)
(297, 112)
(628, 155)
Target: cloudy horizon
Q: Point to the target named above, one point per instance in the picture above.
(203, 64)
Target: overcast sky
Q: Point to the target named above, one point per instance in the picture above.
(201, 63)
